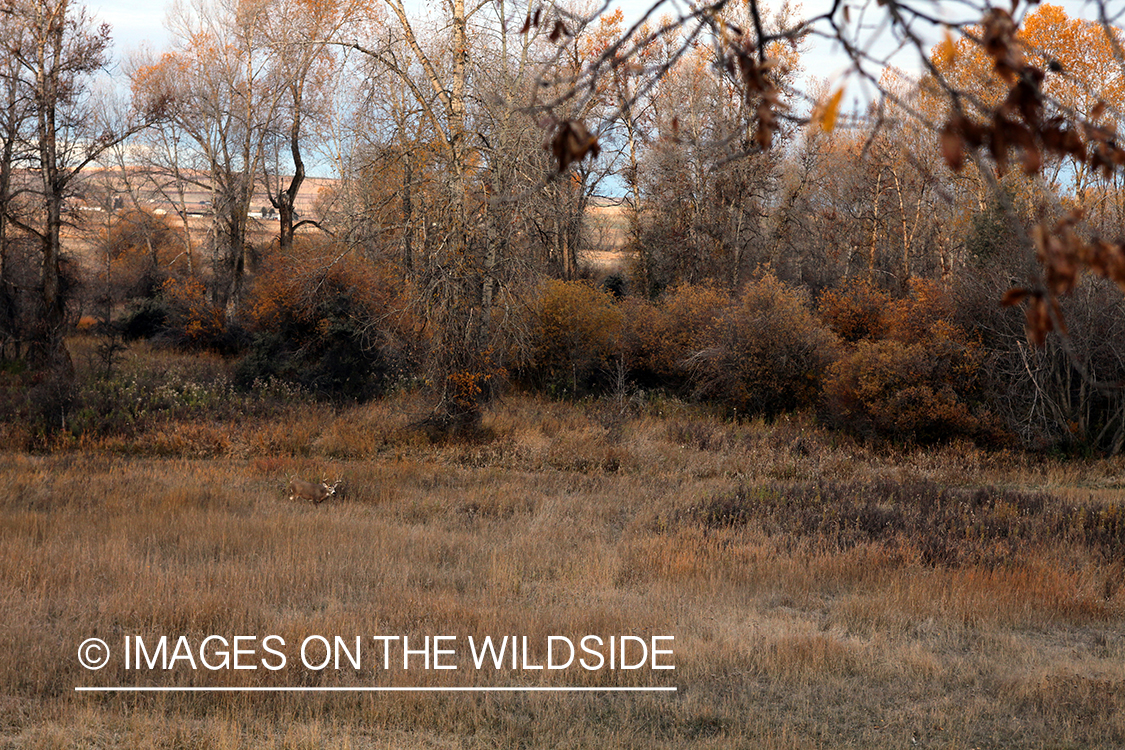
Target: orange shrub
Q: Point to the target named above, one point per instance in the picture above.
(912, 318)
(912, 375)
(855, 311)
(767, 353)
(643, 325)
(692, 311)
(143, 249)
(660, 339)
(574, 334)
(924, 391)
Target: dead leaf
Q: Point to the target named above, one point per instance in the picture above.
(952, 147)
(572, 142)
(826, 117)
(1014, 296)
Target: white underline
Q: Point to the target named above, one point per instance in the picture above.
(288, 689)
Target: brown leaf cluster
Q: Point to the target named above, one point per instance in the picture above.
(759, 85)
(535, 19)
(999, 41)
(572, 142)
(1063, 254)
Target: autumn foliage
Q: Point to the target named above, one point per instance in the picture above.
(855, 310)
(766, 353)
(193, 320)
(574, 331)
(660, 338)
(333, 324)
(142, 249)
(914, 377)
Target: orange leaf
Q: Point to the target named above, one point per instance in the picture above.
(948, 49)
(827, 115)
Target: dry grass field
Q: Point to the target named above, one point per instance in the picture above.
(821, 593)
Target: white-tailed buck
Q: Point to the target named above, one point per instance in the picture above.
(318, 493)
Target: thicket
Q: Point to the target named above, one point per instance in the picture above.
(938, 363)
(910, 374)
(334, 325)
(880, 367)
(1067, 395)
(765, 354)
(934, 363)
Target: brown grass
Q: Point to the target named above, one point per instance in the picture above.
(821, 594)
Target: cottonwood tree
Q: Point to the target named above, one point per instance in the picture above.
(708, 185)
(454, 295)
(491, 177)
(57, 51)
(301, 38)
(220, 101)
(13, 156)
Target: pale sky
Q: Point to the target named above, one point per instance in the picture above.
(135, 23)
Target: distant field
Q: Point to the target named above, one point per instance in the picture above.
(607, 232)
(821, 594)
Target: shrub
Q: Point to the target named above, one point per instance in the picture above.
(643, 324)
(855, 311)
(767, 352)
(916, 317)
(574, 334)
(913, 375)
(192, 320)
(144, 319)
(1064, 395)
(924, 392)
(143, 249)
(660, 339)
(337, 327)
(691, 313)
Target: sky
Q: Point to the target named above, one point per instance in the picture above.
(136, 23)
(133, 22)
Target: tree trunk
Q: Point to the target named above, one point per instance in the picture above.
(287, 199)
(7, 299)
(50, 347)
(407, 211)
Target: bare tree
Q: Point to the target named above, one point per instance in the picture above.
(302, 43)
(220, 96)
(57, 54)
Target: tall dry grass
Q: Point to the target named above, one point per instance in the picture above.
(820, 593)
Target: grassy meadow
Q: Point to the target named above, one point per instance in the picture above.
(822, 593)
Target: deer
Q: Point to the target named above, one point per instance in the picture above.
(318, 493)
